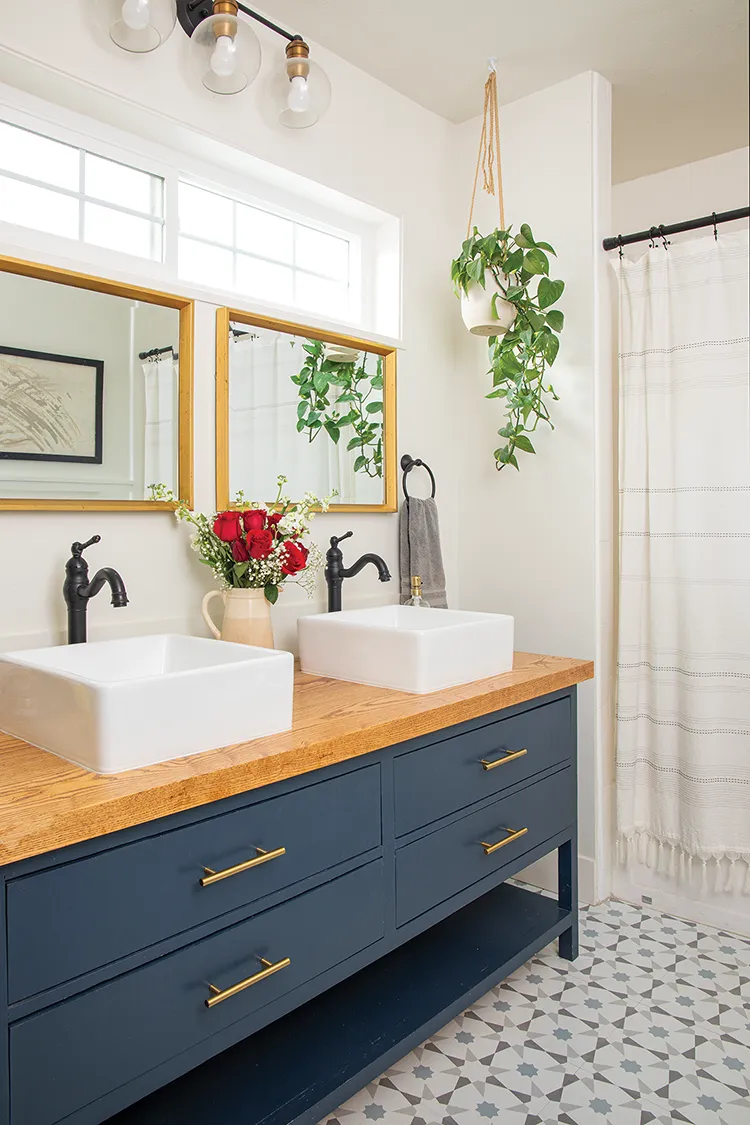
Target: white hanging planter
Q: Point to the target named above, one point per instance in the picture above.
(477, 311)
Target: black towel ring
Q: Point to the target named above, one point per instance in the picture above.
(407, 464)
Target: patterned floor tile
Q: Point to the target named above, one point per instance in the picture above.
(650, 1026)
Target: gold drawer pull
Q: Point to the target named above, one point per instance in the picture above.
(512, 835)
(508, 756)
(260, 857)
(269, 969)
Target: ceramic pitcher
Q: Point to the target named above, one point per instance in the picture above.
(247, 617)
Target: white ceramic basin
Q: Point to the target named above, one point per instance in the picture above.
(405, 647)
(116, 705)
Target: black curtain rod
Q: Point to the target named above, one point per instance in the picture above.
(155, 352)
(676, 228)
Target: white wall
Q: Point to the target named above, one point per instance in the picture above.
(530, 538)
(374, 145)
(721, 183)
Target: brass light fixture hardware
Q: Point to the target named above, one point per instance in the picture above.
(225, 52)
(512, 835)
(269, 968)
(260, 856)
(508, 756)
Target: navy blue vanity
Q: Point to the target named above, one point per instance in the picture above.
(261, 958)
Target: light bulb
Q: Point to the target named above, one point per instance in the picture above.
(135, 14)
(299, 94)
(224, 57)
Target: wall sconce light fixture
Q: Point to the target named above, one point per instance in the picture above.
(226, 51)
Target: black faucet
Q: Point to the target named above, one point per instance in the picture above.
(77, 589)
(336, 572)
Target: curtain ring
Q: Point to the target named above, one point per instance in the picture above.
(716, 233)
(664, 240)
(619, 243)
(652, 235)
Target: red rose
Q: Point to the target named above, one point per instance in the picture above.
(228, 526)
(259, 544)
(295, 558)
(254, 519)
(239, 551)
(274, 519)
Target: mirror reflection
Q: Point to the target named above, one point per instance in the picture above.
(89, 393)
(312, 410)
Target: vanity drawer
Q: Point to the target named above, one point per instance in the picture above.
(67, 1056)
(440, 779)
(447, 861)
(125, 899)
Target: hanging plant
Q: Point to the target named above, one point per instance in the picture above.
(506, 293)
(525, 339)
(340, 394)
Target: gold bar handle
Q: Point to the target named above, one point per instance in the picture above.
(260, 857)
(508, 756)
(269, 968)
(512, 835)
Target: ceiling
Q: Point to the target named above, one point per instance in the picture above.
(678, 67)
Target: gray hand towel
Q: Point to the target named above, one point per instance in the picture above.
(420, 552)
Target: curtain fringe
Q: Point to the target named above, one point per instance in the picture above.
(668, 858)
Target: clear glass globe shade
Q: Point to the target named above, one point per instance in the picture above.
(225, 54)
(293, 106)
(138, 25)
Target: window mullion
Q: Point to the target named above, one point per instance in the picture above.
(81, 193)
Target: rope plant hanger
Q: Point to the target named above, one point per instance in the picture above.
(506, 293)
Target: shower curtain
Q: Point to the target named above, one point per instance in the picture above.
(683, 711)
(160, 447)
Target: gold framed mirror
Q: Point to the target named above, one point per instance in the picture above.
(96, 392)
(318, 407)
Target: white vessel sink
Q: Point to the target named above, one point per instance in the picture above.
(116, 705)
(405, 647)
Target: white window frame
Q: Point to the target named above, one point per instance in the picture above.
(353, 240)
(99, 139)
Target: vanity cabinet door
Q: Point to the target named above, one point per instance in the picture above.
(66, 1057)
(442, 778)
(127, 898)
(447, 861)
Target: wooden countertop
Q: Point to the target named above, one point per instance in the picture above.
(47, 803)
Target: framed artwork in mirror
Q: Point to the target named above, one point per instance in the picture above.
(50, 407)
(96, 392)
(314, 406)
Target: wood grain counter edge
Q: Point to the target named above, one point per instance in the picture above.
(47, 803)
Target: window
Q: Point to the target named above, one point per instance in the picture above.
(63, 190)
(227, 244)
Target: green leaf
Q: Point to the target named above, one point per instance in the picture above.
(536, 261)
(272, 593)
(374, 408)
(241, 569)
(522, 442)
(332, 430)
(302, 408)
(521, 240)
(353, 444)
(514, 292)
(301, 425)
(536, 320)
(359, 463)
(546, 246)
(347, 396)
(376, 382)
(549, 291)
(513, 262)
(555, 319)
(320, 382)
(526, 232)
(551, 348)
(475, 271)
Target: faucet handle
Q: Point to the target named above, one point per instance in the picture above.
(336, 539)
(77, 549)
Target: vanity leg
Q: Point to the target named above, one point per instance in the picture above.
(567, 896)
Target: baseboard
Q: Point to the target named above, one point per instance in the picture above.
(543, 874)
(720, 911)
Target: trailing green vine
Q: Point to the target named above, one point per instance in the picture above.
(519, 358)
(335, 397)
